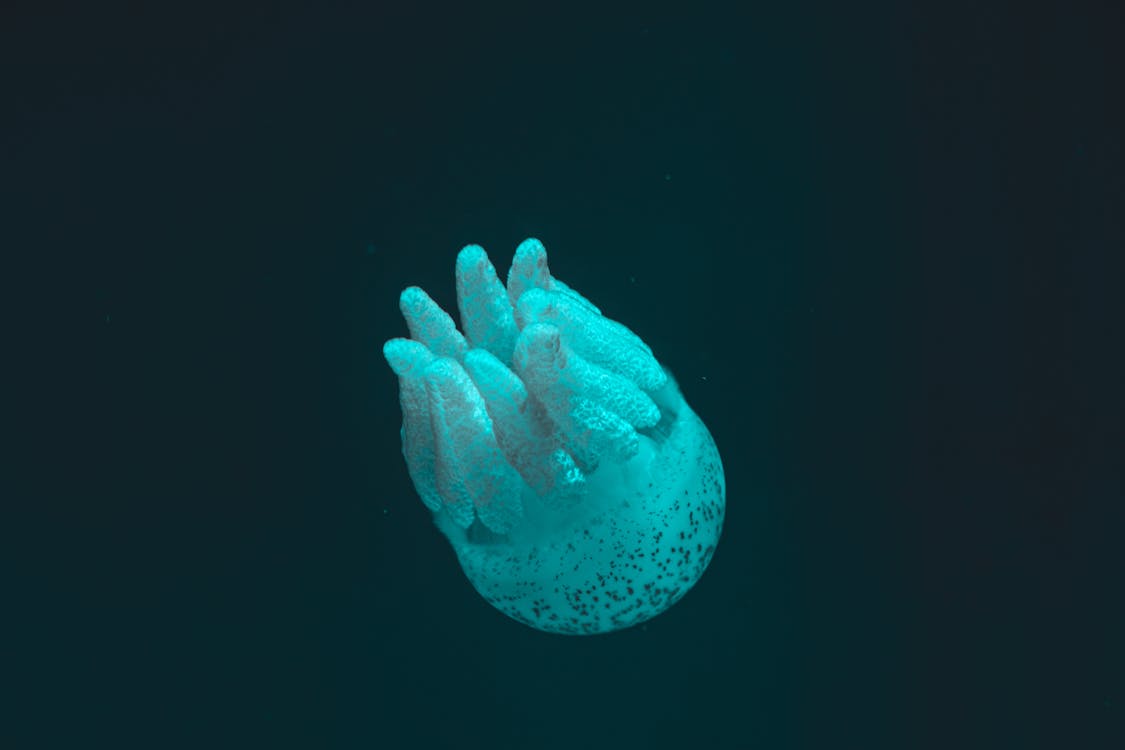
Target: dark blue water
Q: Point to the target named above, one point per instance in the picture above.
(880, 248)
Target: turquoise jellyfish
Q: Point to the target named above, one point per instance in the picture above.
(580, 492)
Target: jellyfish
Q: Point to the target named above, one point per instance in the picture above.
(580, 492)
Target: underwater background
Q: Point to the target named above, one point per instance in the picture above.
(879, 246)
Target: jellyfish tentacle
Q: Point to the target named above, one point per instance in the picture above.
(472, 474)
(529, 270)
(486, 313)
(595, 411)
(600, 340)
(525, 437)
(409, 359)
(430, 325)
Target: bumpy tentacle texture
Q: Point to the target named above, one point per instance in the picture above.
(579, 490)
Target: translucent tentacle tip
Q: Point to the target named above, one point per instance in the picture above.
(579, 490)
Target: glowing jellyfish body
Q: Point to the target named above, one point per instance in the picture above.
(578, 489)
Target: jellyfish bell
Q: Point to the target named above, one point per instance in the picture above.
(578, 489)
